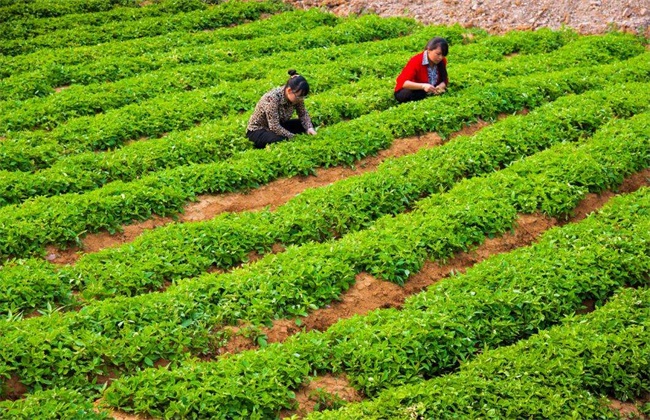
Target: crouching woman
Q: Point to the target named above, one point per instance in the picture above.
(271, 121)
(425, 74)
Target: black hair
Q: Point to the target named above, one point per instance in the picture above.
(297, 83)
(438, 42)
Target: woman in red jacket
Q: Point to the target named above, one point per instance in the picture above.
(425, 74)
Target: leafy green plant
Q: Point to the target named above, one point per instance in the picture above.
(326, 400)
(496, 303)
(53, 404)
(166, 192)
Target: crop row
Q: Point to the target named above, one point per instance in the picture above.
(26, 155)
(49, 8)
(499, 382)
(53, 404)
(565, 372)
(27, 228)
(496, 303)
(158, 48)
(31, 27)
(115, 67)
(120, 334)
(158, 45)
(91, 170)
(206, 18)
(186, 250)
(26, 150)
(79, 100)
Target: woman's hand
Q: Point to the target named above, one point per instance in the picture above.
(441, 87)
(428, 88)
(311, 132)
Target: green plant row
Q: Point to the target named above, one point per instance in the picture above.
(32, 27)
(186, 250)
(51, 111)
(570, 371)
(121, 334)
(496, 303)
(503, 300)
(91, 170)
(157, 48)
(53, 8)
(196, 19)
(75, 128)
(55, 404)
(27, 228)
(26, 155)
(42, 82)
(158, 45)
(164, 113)
(79, 100)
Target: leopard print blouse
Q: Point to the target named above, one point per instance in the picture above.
(274, 108)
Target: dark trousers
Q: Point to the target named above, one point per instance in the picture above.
(261, 138)
(407, 95)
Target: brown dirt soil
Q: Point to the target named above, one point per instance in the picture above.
(13, 389)
(630, 410)
(60, 88)
(272, 195)
(368, 293)
(594, 201)
(307, 397)
(498, 16)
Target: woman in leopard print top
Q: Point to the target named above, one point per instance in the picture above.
(271, 123)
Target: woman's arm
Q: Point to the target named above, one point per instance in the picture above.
(305, 119)
(419, 86)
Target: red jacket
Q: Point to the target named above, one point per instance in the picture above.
(416, 72)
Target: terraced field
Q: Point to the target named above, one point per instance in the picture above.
(480, 254)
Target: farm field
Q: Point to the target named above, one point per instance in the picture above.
(484, 253)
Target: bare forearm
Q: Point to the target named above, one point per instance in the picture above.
(413, 85)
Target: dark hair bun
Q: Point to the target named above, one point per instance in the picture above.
(292, 72)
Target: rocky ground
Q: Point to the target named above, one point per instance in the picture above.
(585, 16)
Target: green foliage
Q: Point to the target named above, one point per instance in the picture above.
(166, 192)
(139, 307)
(50, 8)
(123, 333)
(30, 285)
(78, 100)
(177, 251)
(116, 66)
(58, 403)
(504, 299)
(559, 373)
(325, 400)
(27, 28)
(177, 16)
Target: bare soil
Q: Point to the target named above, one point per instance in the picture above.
(630, 410)
(310, 397)
(498, 16)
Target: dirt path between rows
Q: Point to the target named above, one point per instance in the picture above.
(369, 293)
(272, 195)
